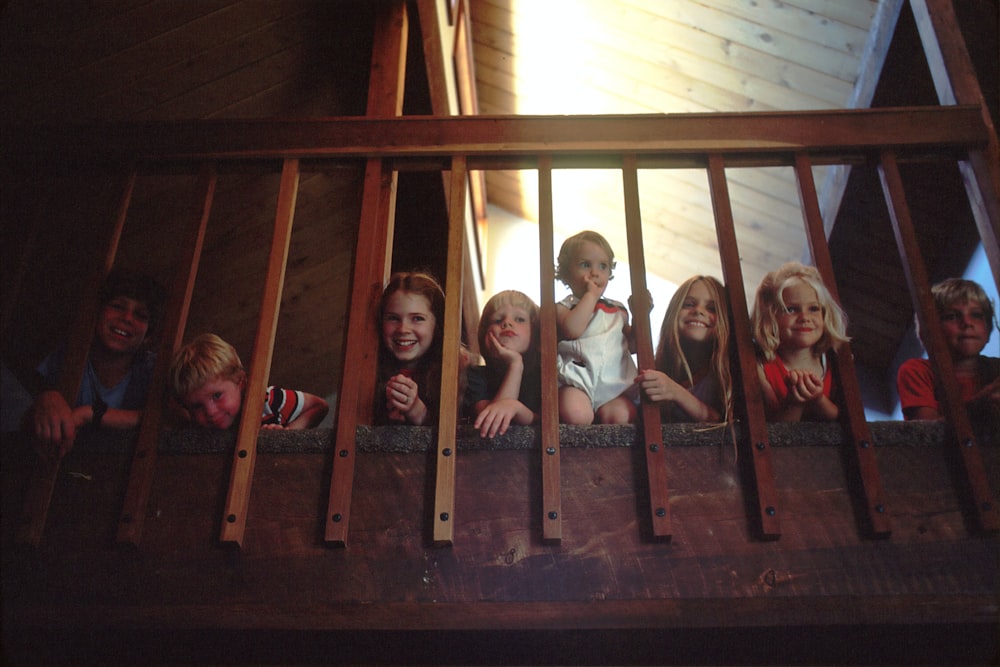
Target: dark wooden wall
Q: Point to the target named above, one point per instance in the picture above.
(124, 61)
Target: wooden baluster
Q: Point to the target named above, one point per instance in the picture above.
(245, 454)
(372, 258)
(956, 82)
(46, 469)
(964, 441)
(548, 340)
(372, 261)
(444, 490)
(760, 448)
(861, 439)
(28, 232)
(140, 480)
(652, 431)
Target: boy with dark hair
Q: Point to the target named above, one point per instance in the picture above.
(118, 370)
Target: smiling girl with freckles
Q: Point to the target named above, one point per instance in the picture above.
(411, 320)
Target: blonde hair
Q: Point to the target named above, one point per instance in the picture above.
(517, 300)
(769, 303)
(569, 247)
(204, 359)
(670, 356)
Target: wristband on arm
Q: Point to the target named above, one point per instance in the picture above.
(99, 407)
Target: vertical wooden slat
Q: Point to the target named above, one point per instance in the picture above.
(357, 386)
(760, 448)
(652, 432)
(956, 82)
(140, 480)
(46, 470)
(28, 232)
(861, 439)
(444, 489)
(964, 441)
(372, 259)
(245, 454)
(548, 340)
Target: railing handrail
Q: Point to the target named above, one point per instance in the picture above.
(680, 140)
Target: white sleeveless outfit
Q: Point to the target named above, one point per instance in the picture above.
(598, 362)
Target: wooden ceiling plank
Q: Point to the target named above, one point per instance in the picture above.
(751, 204)
(31, 34)
(630, 32)
(231, 88)
(33, 18)
(654, 88)
(793, 20)
(87, 50)
(782, 45)
(213, 51)
(856, 13)
(776, 84)
(668, 41)
(166, 70)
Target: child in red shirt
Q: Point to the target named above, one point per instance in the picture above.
(967, 317)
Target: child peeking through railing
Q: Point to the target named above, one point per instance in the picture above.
(507, 390)
(967, 319)
(208, 382)
(596, 370)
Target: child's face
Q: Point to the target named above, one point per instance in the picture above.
(801, 324)
(216, 404)
(408, 326)
(512, 327)
(590, 265)
(122, 324)
(965, 329)
(698, 317)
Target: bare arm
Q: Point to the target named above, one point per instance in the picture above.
(314, 410)
(572, 323)
(661, 388)
(921, 412)
(55, 423)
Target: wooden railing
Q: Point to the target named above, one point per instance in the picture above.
(713, 142)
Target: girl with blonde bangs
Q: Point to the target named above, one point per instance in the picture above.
(796, 323)
(507, 390)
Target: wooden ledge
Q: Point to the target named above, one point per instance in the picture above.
(413, 439)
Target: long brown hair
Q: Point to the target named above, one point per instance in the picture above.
(671, 358)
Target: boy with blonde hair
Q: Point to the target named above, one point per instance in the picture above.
(208, 381)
